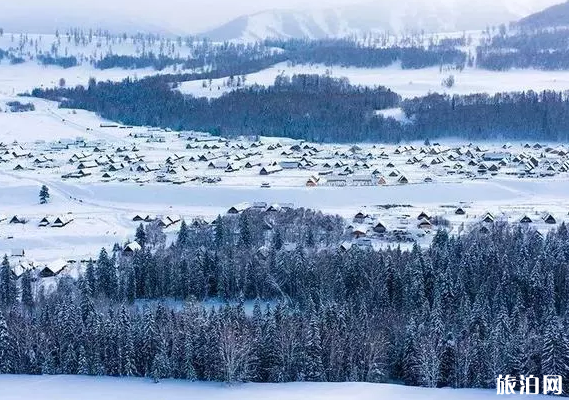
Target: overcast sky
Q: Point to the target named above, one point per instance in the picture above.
(188, 15)
(201, 14)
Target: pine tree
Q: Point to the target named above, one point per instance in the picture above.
(555, 353)
(91, 278)
(449, 373)
(410, 356)
(161, 364)
(277, 240)
(140, 236)
(189, 370)
(130, 284)
(26, 286)
(6, 362)
(8, 288)
(314, 370)
(149, 344)
(244, 230)
(107, 278)
(126, 344)
(48, 366)
(269, 362)
(183, 235)
(44, 194)
(219, 232)
(83, 368)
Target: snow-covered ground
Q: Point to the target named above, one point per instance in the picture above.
(406, 82)
(22, 78)
(95, 388)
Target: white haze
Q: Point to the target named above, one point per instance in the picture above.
(178, 16)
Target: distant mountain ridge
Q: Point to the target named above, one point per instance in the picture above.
(396, 16)
(557, 15)
(45, 20)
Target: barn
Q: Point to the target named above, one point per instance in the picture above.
(17, 220)
(380, 227)
(549, 219)
(53, 269)
(423, 215)
(62, 221)
(239, 208)
(311, 182)
(270, 170)
(424, 224)
(488, 218)
(360, 217)
(359, 232)
(44, 222)
(131, 248)
(87, 165)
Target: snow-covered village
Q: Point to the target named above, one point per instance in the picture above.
(347, 200)
(100, 189)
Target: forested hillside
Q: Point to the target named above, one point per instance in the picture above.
(305, 106)
(455, 314)
(324, 109)
(529, 115)
(544, 49)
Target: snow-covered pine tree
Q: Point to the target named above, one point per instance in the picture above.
(6, 361)
(44, 194)
(26, 289)
(8, 288)
(183, 235)
(313, 368)
(555, 353)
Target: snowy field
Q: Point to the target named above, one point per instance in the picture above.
(22, 78)
(91, 388)
(406, 82)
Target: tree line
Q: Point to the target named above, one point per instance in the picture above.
(351, 53)
(457, 313)
(320, 108)
(539, 116)
(323, 109)
(526, 48)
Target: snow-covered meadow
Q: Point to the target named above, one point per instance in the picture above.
(95, 388)
(408, 83)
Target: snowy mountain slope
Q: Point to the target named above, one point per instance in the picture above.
(283, 23)
(390, 15)
(557, 15)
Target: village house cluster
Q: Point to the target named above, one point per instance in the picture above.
(152, 155)
(369, 228)
(145, 156)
